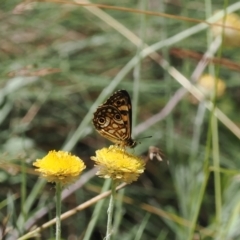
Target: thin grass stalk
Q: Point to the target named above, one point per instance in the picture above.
(58, 210)
(110, 212)
(217, 177)
(206, 167)
(234, 215)
(199, 200)
(119, 212)
(23, 189)
(96, 212)
(137, 68)
(169, 120)
(206, 172)
(29, 201)
(11, 209)
(197, 131)
(216, 159)
(141, 228)
(162, 235)
(214, 127)
(215, 154)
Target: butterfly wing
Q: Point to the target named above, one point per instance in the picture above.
(113, 119)
(122, 101)
(110, 124)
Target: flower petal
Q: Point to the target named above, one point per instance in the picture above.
(60, 166)
(115, 163)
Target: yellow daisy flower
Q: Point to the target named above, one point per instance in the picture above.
(116, 163)
(60, 167)
(231, 31)
(206, 84)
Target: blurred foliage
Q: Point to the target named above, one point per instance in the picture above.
(55, 61)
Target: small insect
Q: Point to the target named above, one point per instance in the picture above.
(154, 152)
(113, 119)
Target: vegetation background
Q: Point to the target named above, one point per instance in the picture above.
(60, 61)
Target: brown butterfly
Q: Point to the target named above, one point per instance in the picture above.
(113, 119)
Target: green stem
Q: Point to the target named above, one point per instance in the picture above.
(23, 189)
(217, 175)
(58, 210)
(97, 212)
(110, 212)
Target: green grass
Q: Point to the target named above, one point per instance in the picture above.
(60, 61)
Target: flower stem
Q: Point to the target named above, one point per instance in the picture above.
(58, 210)
(110, 211)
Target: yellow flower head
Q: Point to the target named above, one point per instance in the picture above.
(231, 31)
(115, 163)
(60, 167)
(206, 84)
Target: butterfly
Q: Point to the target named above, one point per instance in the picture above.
(113, 119)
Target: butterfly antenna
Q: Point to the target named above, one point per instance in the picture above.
(143, 137)
(138, 142)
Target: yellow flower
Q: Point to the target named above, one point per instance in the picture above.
(60, 167)
(231, 31)
(115, 163)
(206, 84)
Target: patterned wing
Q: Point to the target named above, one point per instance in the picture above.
(110, 124)
(113, 119)
(122, 101)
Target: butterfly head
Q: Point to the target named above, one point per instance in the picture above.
(129, 143)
